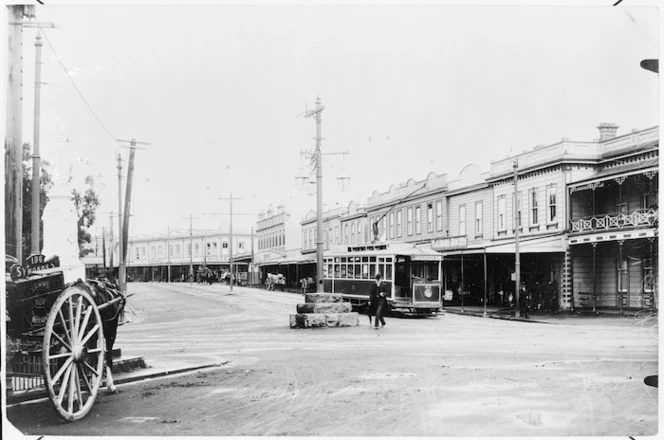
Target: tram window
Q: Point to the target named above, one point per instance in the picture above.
(343, 271)
(337, 272)
(365, 259)
(329, 271)
(381, 259)
(388, 271)
(351, 271)
(372, 270)
(372, 259)
(344, 259)
(324, 271)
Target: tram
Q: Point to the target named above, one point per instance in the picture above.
(413, 274)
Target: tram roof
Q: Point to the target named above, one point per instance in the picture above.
(407, 249)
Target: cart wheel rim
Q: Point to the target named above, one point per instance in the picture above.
(73, 353)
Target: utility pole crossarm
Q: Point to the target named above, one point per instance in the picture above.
(132, 143)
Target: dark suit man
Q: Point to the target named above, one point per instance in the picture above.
(378, 301)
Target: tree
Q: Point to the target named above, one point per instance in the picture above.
(45, 185)
(86, 204)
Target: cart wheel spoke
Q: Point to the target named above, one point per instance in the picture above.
(81, 372)
(77, 319)
(58, 356)
(62, 341)
(72, 390)
(88, 312)
(64, 326)
(63, 385)
(95, 372)
(62, 370)
(72, 328)
(79, 392)
(90, 334)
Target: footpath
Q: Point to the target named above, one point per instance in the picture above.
(563, 317)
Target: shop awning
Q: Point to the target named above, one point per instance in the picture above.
(304, 259)
(531, 245)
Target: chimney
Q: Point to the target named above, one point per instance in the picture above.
(607, 130)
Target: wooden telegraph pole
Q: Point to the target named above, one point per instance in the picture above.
(36, 159)
(230, 199)
(230, 239)
(124, 220)
(14, 136)
(191, 246)
(317, 157)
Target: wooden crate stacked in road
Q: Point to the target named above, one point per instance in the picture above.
(324, 310)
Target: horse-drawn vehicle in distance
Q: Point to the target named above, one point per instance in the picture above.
(60, 336)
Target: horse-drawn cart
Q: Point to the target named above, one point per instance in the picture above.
(58, 336)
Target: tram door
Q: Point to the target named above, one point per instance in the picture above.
(402, 287)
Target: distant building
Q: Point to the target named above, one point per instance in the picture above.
(173, 256)
(279, 243)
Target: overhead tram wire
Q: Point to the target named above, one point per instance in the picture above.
(76, 87)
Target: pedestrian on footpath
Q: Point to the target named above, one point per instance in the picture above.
(378, 301)
(524, 301)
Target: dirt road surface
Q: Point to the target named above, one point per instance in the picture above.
(445, 376)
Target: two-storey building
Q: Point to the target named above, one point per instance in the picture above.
(411, 212)
(174, 256)
(278, 242)
(613, 221)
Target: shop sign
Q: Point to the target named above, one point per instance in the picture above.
(441, 244)
(32, 263)
(426, 258)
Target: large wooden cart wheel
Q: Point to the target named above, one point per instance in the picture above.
(73, 353)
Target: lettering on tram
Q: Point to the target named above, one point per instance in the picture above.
(414, 276)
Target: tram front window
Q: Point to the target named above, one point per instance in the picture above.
(425, 272)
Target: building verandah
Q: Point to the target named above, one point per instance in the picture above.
(613, 235)
(618, 274)
(488, 271)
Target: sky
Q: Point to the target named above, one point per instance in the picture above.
(219, 92)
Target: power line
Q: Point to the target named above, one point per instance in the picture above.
(76, 87)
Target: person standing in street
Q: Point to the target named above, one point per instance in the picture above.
(378, 301)
(524, 301)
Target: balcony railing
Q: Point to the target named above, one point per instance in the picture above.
(607, 222)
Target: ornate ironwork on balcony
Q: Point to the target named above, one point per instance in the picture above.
(623, 220)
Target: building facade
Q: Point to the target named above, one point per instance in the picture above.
(613, 222)
(174, 257)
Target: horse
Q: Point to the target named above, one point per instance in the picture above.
(111, 303)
